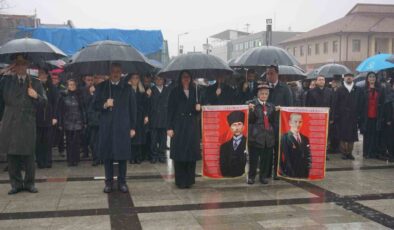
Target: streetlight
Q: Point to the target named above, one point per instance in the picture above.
(178, 39)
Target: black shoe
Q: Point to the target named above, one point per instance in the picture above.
(32, 189)
(263, 181)
(5, 169)
(95, 163)
(131, 162)
(327, 158)
(61, 154)
(276, 178)
(153, 161)
(123, 188)
(162, 160)
(107, 188)
(14, 191)
(345, 157)
(250, 181)
(350, 157)
(137, 161)
(41, 167)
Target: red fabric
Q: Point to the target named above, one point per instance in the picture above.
(266, 121)
(372, 104)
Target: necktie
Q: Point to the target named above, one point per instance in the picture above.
(265, 117)
(235, 144)
(298, 138)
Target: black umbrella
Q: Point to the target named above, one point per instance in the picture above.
(289, 73)
(97, 58)
(330, 70)
(200, 65)
(34, 49)
(265, 56)
(390, 59)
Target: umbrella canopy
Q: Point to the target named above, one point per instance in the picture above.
(375, 63)
(97, 58)
(390, 59)
(329, 71)
(200, 65)
(34, 49)
(289, 73)
(265, 56)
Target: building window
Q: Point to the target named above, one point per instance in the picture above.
(259, 43)
(301, 51)
(294, 51)
(246, 45)
(335, 46)
(241, 46)
(251, 44)
(356, 44)
(325, 47)
(309, 50)
(317, 49)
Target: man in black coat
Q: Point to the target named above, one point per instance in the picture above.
(158, 120)
(46, 121)
(295, 158)
(87, 97)
(219, 93)
(232, 152)
(116, 101)
(347, 110)
(280, 95)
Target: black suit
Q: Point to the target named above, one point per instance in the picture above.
(295, 159)
(232, 162)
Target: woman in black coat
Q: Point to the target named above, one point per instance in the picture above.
(139, 139)
(183, 128)
(46, 120)
(72, 119)
(373, 103)
(388, 118)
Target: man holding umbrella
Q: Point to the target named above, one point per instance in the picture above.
(117, 103)
(19, 96)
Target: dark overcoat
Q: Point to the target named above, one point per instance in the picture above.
(142, 103)
(260, 136)
(159, 108)
(115, 123)
(18, 129)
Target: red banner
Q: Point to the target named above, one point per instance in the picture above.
(303, 143)
(224, 139)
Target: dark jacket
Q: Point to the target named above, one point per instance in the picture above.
(227, 96)
(249, 94)
(47, 112)
(380, 109)
(347, 111)
(232, 162)
(159, 108)
(281, 95)
(142, 103)
(116, 123)
(71, 112)
(183, 119)
(295, 159)
(18, 128)
(319, 97)
(260, 136)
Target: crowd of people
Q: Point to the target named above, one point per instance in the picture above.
(127, 118)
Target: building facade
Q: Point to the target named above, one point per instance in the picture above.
(365, 31)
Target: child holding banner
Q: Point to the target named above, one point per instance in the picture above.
(261, 135)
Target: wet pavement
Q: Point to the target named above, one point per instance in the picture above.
(355, 195)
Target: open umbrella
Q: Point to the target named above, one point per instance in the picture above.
(390, 59)
(265, 56)
(96, 58)
(200, 65)
(375, 63)
(329, 71)
(34, 49)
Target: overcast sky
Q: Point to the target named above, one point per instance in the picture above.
(200, 18)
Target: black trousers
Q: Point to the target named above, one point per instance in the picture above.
(146, 152)
(58, 139)
(109, 171)
(44, 146)
(93, 142)
(389, 130)
(73, 140)
(370, 141)
(136, 152)
(185, 173)
(85, 138)
(261, 157)
(158, 143)
(15, 163)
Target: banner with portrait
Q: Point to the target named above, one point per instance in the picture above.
(224, 140)
(303, 136)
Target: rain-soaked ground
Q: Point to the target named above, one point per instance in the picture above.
(355, 195)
